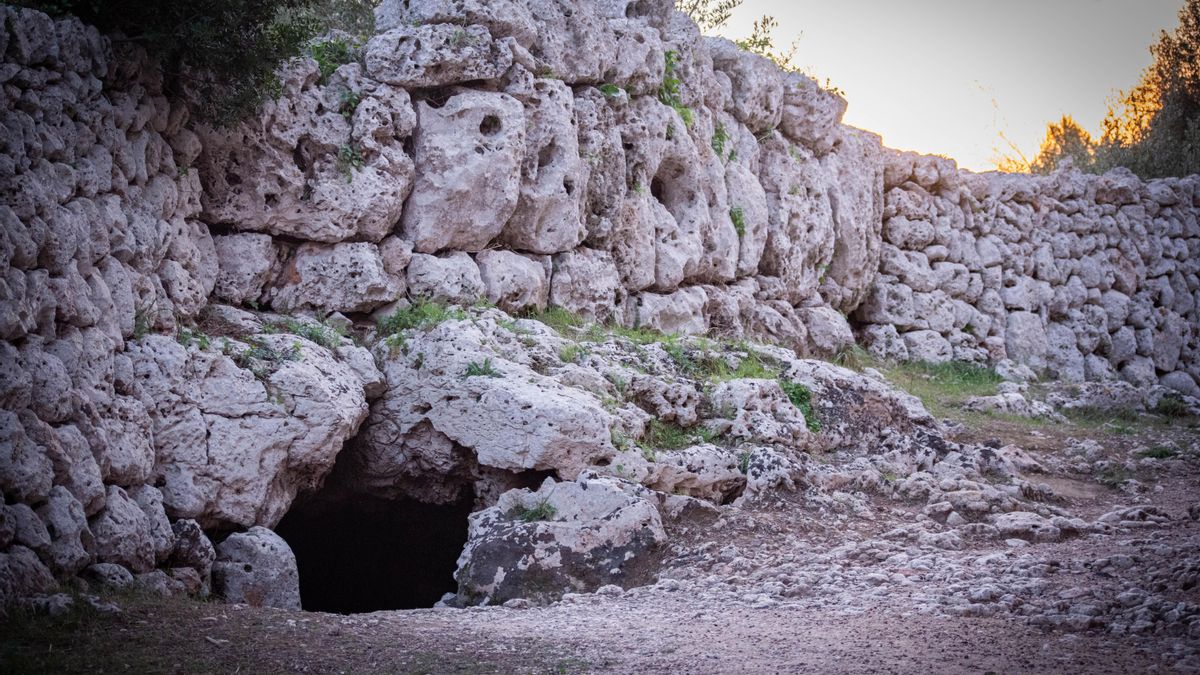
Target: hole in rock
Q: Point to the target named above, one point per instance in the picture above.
(490, 125)
(359, 553)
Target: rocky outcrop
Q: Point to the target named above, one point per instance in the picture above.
(599, 158)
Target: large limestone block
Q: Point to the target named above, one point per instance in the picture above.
(548, 217)
(123, 533)
(452, 278)
(585, 281)
(928, 346)
(257, 568)
(304, 169)
(26, 473)
(680, 312)
(811, 113)
(510, 418)
(347, 277)
(564, 537)
(436, 55)
(71, 541)
(857, 201)
(514, 282)
(246, 263)
(757, 84)
(748, 210)
(1025, 339)
(828, 330)
(468, 154)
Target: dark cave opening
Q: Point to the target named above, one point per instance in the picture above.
(363, 554)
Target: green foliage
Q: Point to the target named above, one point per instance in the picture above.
(349, 160)
(670, 91)
(1159, 452)
(738, 216)
(762, 42)
(348, 102)
(665, 436)
(708, 14)
(543, 510)
(187, 337)
(142, 323)
(321, 333)
(610, 90)
(223, 53)
(744, 462)
(419, 315)
(801, 397)
(854, 356)
(259, 357)
(1154, 128)
(1171, 405)
(571, 353)
(719, 139)
(332, 53)
(485, 369)
(558, 318)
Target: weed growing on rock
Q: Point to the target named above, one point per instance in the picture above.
(801, 397)
(259, 357)
(543, 510)
(348, 102)
(419, 315)
(738, 216)
(610, 90)
(669, 92)
(322, 333)
(187, 337)
(142, 323)
(557, 318)
(485, 369)
(1159, 452)
(1171, 406)
(719, 138)
(331, 54)
(571, 353)
(349, 160)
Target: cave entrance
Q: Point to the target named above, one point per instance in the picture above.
(359, 553)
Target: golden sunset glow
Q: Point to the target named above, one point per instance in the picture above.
(965, 78)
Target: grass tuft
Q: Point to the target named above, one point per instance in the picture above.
(419, 315)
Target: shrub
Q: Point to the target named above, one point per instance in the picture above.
(419, 315)
(322, 333)
(669, 92)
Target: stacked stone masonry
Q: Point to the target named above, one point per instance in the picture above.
(515, 151)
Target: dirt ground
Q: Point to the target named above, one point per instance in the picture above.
(674, 628)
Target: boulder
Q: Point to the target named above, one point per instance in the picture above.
(453, 278)
(348, 277)
(435, 55)
(513, 282)
(257, 568)
(563, 537)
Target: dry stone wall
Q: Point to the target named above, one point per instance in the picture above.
(164, 382)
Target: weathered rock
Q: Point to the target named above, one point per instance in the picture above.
(247, 263)
(564, 537)
(71, 543)
(513, 282)
(257, 568)
(339, 278)
(452, 278)
(585, 281)
(435, 55)
(123, 533)
(191, 548)
(680, 312)
(468, 153)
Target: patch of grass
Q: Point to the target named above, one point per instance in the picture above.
(1171, 406)
(419, 315)
(1118, 420)
(321, 333)
(485, 369)
(561, 320)
(543, 510)
(853, 356)
(610, 90)
(665, 435)
(738, 216)
(142, 323)
(943, 387)
(801, 397)
(669, 92)
(639, 335)
(187, 337)
(348, 102)
(719, 139)
(572, 353)
(1113, 476)
(1159, 452)
(260, 358)
(744, 462)
(750, 366)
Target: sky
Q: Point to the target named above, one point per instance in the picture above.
(957, 77)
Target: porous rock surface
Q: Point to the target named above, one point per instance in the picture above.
(152, 400)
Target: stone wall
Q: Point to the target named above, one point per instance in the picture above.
(526, 152)
(1080, 276)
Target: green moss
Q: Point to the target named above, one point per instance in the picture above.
(801, 397)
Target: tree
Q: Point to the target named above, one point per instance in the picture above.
(710, 15)
(1154, 128)
(222, 54)
(1064, 139)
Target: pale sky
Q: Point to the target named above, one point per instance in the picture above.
(948, 76)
